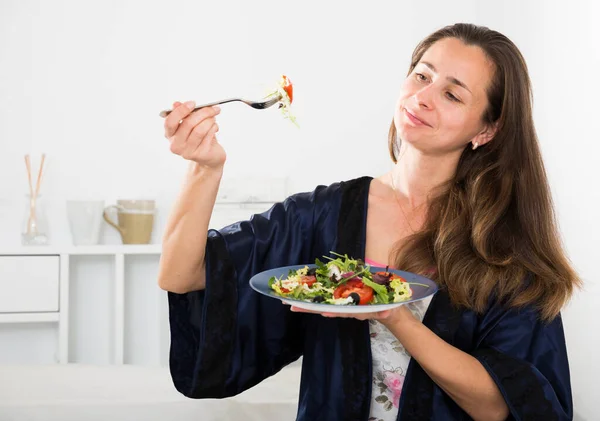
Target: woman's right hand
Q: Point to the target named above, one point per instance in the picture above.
(192, 135)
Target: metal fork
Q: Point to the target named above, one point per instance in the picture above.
(259, 105)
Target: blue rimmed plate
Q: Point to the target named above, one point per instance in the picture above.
(260, 283)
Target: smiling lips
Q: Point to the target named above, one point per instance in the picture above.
(415, 120)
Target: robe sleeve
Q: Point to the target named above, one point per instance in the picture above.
(527, 359)
(227, 337)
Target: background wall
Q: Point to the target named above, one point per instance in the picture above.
(83, 82)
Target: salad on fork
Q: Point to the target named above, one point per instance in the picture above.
(285, 90)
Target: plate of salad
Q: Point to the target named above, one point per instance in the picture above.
(341, 284)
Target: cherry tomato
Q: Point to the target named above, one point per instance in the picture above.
(287, 87)
(354, 285)
(308, 280)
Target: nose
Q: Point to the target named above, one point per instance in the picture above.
(424, 97)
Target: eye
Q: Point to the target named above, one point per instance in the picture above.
(421, 77)
(452, 97)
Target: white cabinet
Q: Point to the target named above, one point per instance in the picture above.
(35, 285)
(29, 284)
(90, 304)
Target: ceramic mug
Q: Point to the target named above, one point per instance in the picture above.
(135, 220)
(85, 221)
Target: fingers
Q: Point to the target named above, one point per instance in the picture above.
(206, 142)
(179, 113)
(360, 316)
(301, 310)
(196, 118)
(383, 314)
(185, 144)
(182, 120)
(193, 130)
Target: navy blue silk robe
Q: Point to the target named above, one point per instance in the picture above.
(227, 338)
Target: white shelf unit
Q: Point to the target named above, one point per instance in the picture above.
(118, 253)
(110, 309)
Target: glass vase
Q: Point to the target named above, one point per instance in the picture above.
(34, 230)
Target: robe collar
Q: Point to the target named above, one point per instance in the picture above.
(442, 318)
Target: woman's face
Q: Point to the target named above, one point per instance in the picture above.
(442, 101)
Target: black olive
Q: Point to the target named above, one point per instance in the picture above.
(312, 272)
(382, 279)
(318, 299)
(355, 297)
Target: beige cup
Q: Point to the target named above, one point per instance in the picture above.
(135, 220)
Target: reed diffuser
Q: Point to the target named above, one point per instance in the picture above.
(34, 230)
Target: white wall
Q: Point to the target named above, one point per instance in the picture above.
(565, 73)
(84, 81)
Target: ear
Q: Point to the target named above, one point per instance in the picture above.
(485, 135)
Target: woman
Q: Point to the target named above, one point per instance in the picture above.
(467, 204)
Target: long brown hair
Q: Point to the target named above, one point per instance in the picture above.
(491, 230)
